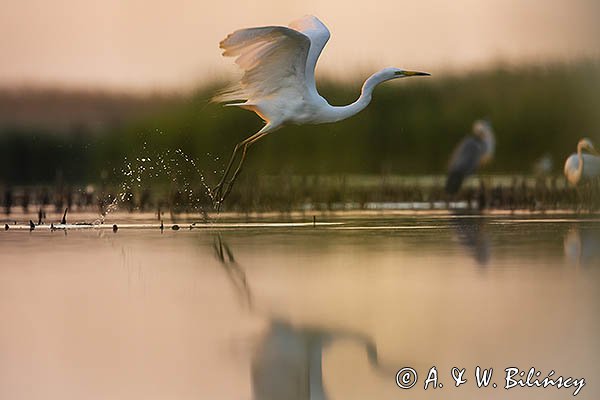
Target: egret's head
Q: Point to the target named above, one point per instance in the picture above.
(395, 73)
(587, 145)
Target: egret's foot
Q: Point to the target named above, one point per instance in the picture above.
(220, 194)
(217, 196)
(217, 204)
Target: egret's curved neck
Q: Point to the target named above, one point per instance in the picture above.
(339, 113)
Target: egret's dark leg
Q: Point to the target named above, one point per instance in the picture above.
(245, 145)
(218, 193)
(229, 184)
(218, 188)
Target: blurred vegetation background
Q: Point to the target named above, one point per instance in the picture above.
(411, 127)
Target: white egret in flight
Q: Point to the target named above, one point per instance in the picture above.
(279, 82)
(582, 166)
(472, 152)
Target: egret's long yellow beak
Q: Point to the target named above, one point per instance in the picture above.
(414, 73)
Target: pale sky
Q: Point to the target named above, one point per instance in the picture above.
(173, 44)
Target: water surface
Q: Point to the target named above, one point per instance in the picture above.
(296, 312)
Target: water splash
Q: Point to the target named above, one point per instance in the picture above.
(172, 172)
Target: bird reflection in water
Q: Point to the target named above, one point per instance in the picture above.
(236, 274)
(582, 246)
(287, 362)
(471, 233)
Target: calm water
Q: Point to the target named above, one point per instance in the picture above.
(299, 312)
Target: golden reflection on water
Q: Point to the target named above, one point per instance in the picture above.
(296, 313)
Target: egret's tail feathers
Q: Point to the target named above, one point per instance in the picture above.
(454, 182)
(232, 93)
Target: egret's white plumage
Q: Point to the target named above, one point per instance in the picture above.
(581, 166)
(278, 82)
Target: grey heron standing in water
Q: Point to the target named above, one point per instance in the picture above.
(279, 83)
(583, 166)
(471, 153)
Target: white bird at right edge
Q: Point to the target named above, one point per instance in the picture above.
(583, 166)
(278, 83)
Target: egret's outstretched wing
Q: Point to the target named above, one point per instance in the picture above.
(273, 59)
(318, 34)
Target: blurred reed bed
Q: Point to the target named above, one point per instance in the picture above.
(285, 193)
(410, 128)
